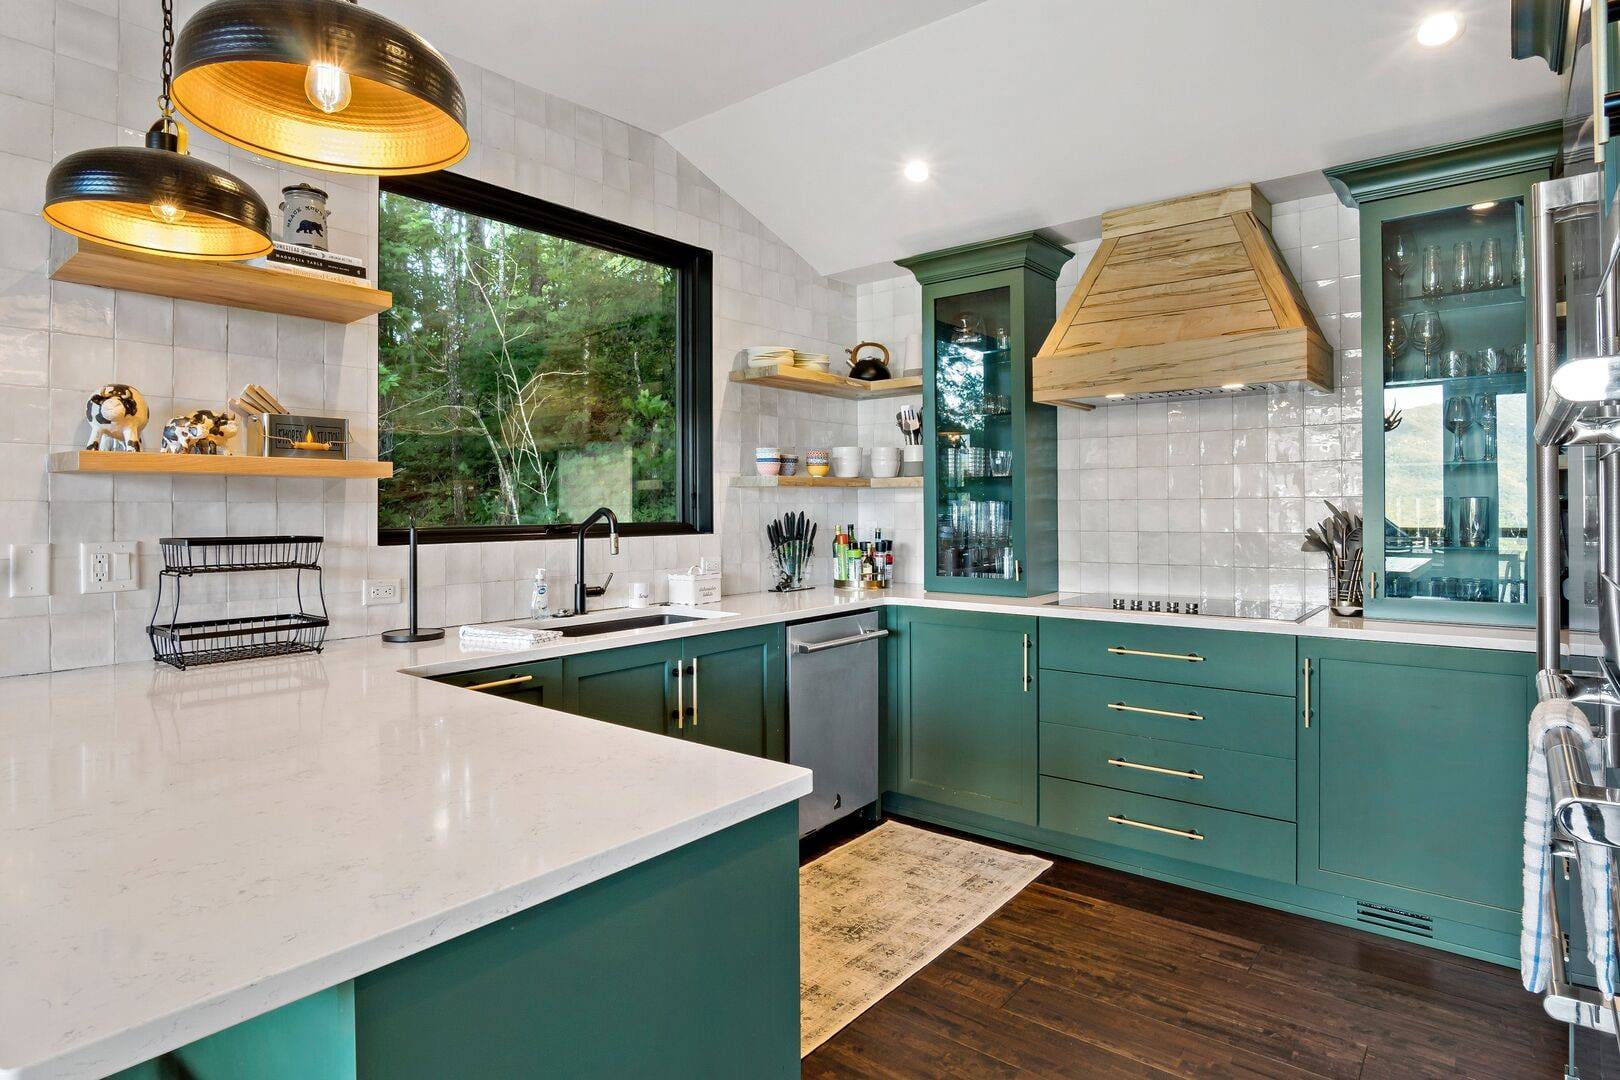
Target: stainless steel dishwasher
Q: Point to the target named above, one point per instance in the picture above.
(832, 681)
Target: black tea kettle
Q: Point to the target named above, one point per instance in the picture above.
(868, 368)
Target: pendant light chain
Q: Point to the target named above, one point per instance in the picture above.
(164, 103)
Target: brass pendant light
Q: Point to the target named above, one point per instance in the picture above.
(158, 199)
(320, 83)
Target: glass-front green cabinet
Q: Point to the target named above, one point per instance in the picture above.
(1447, 462)
(990, 458)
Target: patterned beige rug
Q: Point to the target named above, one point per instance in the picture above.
(873, 912)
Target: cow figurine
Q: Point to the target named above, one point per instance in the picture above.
(117, 414)
(201, 432)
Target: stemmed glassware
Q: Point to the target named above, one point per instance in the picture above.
(1459, 418)
(1398, 256)
(1427, 332)
(1394, 343)
(1485, 415)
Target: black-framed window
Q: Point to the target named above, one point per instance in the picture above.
(538, 362)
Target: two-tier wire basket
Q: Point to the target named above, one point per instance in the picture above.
(188, 643)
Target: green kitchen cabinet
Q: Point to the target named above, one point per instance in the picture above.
(990, 459)
(1411, 780)
(1445, 343)
(534, 683)
(634, 686)
(735, 691)
(967, 725)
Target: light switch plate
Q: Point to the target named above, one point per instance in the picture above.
(30, 569)
(108, 566)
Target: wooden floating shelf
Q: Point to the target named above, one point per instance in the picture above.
(807, 381)
(113, 461)
(232, 284)
(803, 481)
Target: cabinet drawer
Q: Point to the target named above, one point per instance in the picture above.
(1230, 719)
(1225, 779)
(1229, 659)
(1223, 839)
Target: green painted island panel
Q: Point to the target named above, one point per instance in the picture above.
(683, 966)
(311, 1038)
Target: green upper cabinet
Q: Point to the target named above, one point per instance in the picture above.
(735, 690)
(1411, 777)
(1446, 445)
(967, 722)
(991, 466)
(634, 686)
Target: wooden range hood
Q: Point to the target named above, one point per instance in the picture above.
(1184, 298)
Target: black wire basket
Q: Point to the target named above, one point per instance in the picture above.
(193, 642)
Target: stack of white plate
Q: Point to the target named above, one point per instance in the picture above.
(813, 361)
(765, 356)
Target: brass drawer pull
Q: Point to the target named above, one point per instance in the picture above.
(1191, 658)
(1185, 834)
(513, 681)
(1120, 706)
(1185, 774)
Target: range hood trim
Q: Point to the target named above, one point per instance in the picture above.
(1249, 323)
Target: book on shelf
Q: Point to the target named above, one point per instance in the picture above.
(313, 267)
(305, 251)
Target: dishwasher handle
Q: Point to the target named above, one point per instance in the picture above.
(838, 643)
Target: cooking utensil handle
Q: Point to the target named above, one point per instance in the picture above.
(839, 643)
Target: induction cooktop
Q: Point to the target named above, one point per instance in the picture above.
(1221, 607)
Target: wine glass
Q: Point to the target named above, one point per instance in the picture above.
(1434, 274)
(1398, 256)
(1491, 269)
(1459, 418)
(1462, 266)
(1427, 332)
(1485, 413)
(1394, 342)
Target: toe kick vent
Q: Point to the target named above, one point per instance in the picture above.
(1410, 923)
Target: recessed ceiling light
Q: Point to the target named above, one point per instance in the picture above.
(1482, 206)
(916, 170)
(1439, 29)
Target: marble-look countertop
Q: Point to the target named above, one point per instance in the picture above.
(185, 850)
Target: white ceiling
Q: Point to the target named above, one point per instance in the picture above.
(660, 63)
(1031, 113)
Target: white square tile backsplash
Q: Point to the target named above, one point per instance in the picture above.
(1207, 497)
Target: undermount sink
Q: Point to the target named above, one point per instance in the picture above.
(609, 626)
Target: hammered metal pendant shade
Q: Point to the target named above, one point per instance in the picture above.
(157, 201)
(240, 67)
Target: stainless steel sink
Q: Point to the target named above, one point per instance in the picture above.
(609, 626)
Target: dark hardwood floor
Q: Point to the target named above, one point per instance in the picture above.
(1094, 973)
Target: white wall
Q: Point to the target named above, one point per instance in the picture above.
(1198, 498)
(76, 75)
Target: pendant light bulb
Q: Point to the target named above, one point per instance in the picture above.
(328, 87)
(167, 211)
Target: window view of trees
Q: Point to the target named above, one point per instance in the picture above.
(523, 379)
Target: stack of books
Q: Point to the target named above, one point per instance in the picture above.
(307, 260)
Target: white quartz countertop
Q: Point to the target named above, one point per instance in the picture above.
(185, 850)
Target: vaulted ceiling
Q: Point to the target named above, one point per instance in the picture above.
(1030, 113)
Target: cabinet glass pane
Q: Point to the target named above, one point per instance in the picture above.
(1456, 442)
(973, 434)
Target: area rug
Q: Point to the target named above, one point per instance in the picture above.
(873, 912)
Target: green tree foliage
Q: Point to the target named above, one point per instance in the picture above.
(507, 354)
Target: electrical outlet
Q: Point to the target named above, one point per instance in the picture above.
(375, 591)
(107, 566)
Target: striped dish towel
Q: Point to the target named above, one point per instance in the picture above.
(1596, 865)
(492, 636)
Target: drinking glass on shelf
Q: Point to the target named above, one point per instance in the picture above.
(1398, 256)
(1492, 360)
(1427, 332)
(1516, 264)
(1491, 269)
(1454, 365)
(1001, 463)
(1462, 266)
(1434, 274)
(1485, 414)
(1459, 418)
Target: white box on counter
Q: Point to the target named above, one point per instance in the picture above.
(699, 585)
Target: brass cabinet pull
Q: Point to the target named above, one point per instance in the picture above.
(1120, 706)
(1185, 774)
(513, 681)
(1307, 706)
(680, 696)
(1185, 834)
(1191, 658)
(694, 692)
(1026, 663)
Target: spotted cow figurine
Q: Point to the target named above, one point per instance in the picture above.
(201, 432)
(117, 414)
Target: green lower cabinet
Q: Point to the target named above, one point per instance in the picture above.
(1411, 781)
(735, 691)
(633, 686)
(966, 733)
(534, 683)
